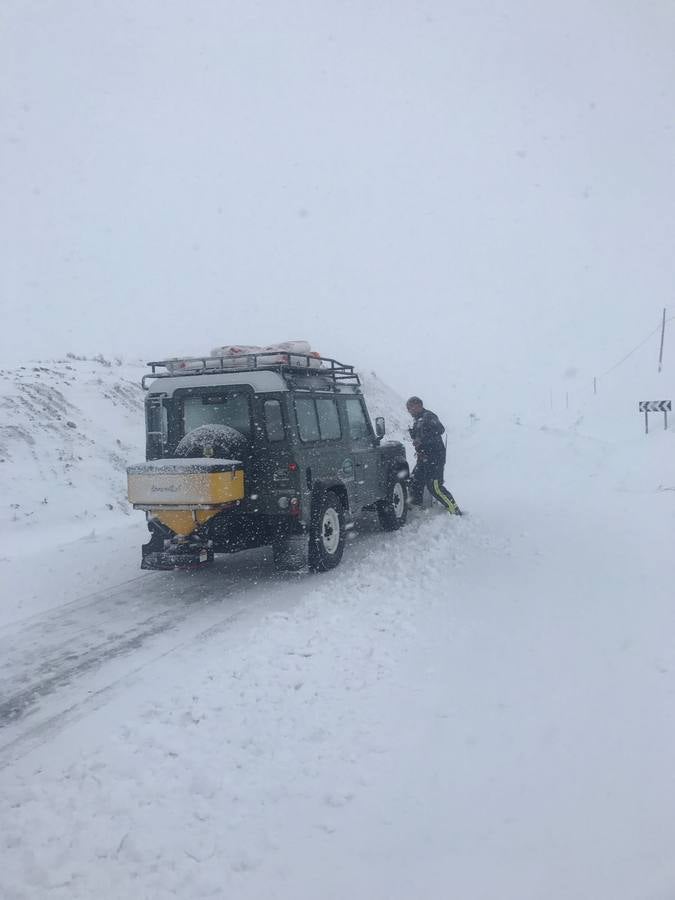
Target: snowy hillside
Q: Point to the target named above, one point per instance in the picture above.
(68, 429)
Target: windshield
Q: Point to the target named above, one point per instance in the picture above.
(217, 409)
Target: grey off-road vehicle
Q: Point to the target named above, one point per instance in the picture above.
(261, 451)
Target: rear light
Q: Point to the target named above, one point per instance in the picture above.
(292, 467)
(294, 507)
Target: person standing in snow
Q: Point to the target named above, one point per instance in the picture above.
(426, 434)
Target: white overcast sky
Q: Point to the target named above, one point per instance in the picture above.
(475, 193)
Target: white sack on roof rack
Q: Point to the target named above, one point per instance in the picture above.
(178, 365)
(287, 348)
(235, 355)
(245, 356)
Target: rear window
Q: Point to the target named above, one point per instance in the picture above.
(217, 409)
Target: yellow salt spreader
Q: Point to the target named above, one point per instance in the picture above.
(183, 494)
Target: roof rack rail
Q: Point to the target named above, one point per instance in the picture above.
(269, 360)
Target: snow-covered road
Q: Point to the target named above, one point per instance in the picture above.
(480, 708)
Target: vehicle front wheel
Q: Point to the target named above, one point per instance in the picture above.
(327, 533)
(392, 510)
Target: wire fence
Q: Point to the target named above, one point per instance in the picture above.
(661, 327)
(636, 348)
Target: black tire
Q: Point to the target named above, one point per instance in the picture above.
(327, 533)
(392, 510)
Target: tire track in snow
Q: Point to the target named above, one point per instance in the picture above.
(63, 665)
(66, 663)
(44, 730)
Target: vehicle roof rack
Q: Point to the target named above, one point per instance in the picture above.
(268, 360)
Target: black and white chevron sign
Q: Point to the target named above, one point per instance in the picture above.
(655, 406)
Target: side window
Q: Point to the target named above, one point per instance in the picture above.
(329, 421)
(308, 425)
(274, 421)
(356, 418)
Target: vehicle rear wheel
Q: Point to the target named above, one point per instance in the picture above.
(392, 510)
(327, 534)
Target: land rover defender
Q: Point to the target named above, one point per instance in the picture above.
(272, 450)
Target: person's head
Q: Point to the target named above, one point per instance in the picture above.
(415, 406)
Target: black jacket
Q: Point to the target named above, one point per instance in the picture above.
(426, 433)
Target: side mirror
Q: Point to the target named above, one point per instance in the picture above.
(380, 427)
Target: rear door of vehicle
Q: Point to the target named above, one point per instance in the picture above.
(229, 405)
